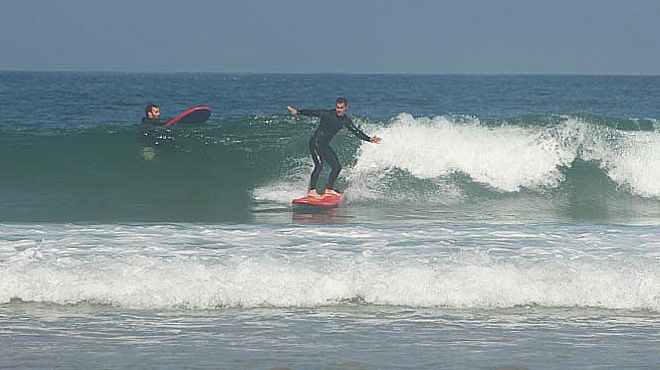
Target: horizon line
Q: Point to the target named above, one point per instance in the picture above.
(110, 71)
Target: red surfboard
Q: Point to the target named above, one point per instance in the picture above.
(325, 201)
(192, 115)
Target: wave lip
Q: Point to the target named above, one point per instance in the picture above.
(509, 158)
(429, 148)
(639, 165)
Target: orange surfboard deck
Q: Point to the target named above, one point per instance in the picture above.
(326, 200)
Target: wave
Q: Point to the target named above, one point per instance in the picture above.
(449, 155)
(453, 265)
(465, 281)
(444, 160)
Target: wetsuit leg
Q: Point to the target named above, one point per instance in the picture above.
(329, 155)
(318, 163)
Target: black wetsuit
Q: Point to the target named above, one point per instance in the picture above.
(151, 132)
(151, 121)
(319, 143)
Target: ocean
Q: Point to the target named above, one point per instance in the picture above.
(504, 222)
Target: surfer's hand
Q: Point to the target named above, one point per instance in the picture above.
(292, 110)
(375, 140)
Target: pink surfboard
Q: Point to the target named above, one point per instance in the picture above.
(192, 115)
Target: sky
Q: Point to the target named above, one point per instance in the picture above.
(344, 36)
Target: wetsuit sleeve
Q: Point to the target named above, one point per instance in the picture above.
(356, 131)
(151, 122)
(312, 112)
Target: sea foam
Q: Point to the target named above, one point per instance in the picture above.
(209, 267)
(464, 281)
(508, 158)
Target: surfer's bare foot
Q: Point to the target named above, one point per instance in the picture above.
(313, 194)
(331, 192)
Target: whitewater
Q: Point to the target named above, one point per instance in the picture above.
(216, 267)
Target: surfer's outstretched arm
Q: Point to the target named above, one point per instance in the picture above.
(306, 112)
(360, 134)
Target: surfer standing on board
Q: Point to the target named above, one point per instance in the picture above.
(332, 120)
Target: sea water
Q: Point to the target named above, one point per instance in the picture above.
(503, 222)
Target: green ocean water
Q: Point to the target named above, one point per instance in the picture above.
(247, 168)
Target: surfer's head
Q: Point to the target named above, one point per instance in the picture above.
(341, 105)
(152, 111)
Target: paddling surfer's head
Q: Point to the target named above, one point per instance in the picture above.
(152, 111)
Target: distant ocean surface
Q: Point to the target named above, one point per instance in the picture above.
(505, 222)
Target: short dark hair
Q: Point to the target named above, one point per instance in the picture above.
(341, 100)
(149, 107)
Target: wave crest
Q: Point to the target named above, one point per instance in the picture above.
(509, 158)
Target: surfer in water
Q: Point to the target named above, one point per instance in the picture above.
(151, 115)
(332, 120)
(152, 134)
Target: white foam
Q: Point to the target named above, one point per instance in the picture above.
(291, 185)
(630, 158)
(637, 163)
(507, 158)
(204, 267)
(468, 280)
